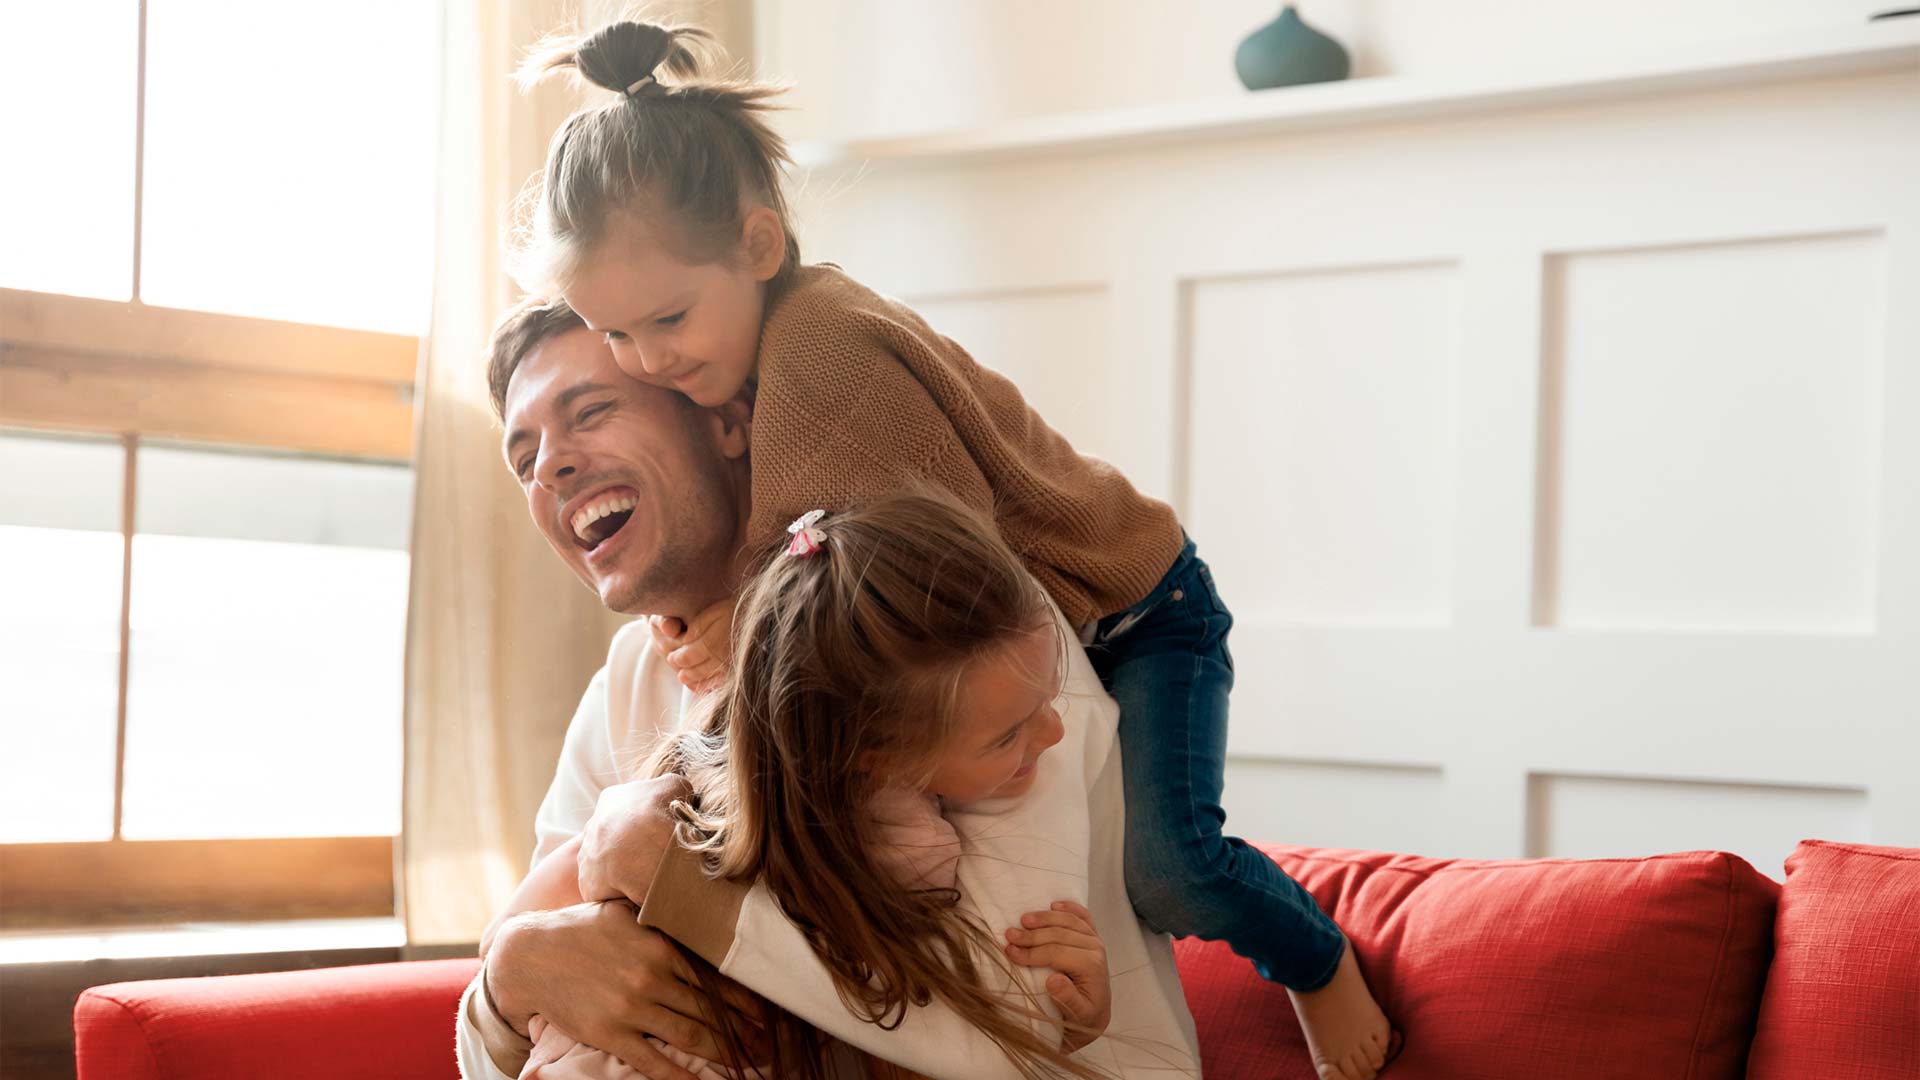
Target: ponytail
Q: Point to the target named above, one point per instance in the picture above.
(678, 146)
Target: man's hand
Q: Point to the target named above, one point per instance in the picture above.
(699, 650)
(596, 972)
(623, 842)
(1063, 938)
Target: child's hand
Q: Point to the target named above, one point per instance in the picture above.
(699, 649)
(1063, 938)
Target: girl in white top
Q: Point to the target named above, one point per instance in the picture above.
(896, 658)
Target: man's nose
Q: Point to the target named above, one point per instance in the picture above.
(556, 465)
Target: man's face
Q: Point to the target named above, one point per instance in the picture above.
(629, 483)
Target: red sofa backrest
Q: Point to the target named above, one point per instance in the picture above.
(1547, 969)
(1843, 998)
(375, 1022)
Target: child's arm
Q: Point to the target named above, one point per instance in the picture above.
(552, 885)
(1063, 938)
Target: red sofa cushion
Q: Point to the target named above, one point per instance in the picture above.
(1843, 998)
(375, 1022)
(1547, 969)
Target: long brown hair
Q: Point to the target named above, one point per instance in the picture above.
(677, 144)
(842, 659)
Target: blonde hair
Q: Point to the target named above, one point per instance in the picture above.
(842, 659)
(676, 146)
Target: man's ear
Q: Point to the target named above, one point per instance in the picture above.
(732, 427)
(765, 241)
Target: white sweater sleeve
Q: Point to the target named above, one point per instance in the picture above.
(600, 741)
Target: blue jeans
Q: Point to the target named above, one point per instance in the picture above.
(1165, 661)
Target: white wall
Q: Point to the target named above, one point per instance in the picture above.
(1562, 465)
(870, 67)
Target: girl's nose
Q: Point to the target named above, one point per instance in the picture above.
(1054, 730)
(628, 357)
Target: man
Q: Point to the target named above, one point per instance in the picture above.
(646, 496)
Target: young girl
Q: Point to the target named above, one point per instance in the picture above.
(895, 658)
(662, 221)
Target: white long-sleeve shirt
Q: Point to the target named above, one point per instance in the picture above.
(1061, 840)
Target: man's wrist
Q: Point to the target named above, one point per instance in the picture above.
(506, 1047)
(504, 953)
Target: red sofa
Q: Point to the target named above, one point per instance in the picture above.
(1684, 966)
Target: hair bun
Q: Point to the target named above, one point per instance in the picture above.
(620, 54)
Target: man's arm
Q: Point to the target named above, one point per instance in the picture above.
(592, 964)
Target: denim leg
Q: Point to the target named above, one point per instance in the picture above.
(1166, 662)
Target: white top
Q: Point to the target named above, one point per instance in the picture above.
(1061, 840)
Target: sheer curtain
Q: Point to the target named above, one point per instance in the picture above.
(501, 639)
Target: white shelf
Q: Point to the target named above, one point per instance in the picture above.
(1872, 47)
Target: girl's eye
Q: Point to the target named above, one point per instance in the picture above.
(1007, 739)
(670, 320)
(613, 336)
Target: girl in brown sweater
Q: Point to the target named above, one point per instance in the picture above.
(661, 220)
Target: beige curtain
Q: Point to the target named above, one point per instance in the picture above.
(501, 638)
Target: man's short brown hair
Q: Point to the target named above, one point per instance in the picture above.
(530, 324)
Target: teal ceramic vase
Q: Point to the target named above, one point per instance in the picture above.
(1288, 52)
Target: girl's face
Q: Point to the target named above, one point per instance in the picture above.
(1005, 721)
(682, 326)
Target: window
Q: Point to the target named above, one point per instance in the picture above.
(217, 266)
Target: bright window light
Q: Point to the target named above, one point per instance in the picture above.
(68, 96)
(268, 636)
(60, 555)
(289, 159)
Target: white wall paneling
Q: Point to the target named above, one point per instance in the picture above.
(1549, 459)
(1320, 440)
(1596, 817)
(1710, 436)
(1380, 804)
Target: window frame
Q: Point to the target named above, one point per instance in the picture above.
(125, 369)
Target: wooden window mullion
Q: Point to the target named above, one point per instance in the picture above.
(130, 444)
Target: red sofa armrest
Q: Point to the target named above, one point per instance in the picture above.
(377, 1021)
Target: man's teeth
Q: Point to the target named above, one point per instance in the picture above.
(588, 515)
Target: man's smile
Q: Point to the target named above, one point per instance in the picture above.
(593, 518)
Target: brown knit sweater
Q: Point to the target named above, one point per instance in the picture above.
(858, 397)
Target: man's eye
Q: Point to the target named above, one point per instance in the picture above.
(670, 320)
(592, 411)
(522, 469)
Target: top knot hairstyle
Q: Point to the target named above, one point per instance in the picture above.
(681, 148)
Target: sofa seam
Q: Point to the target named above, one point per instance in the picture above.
(140, 1025)
(1719, 971)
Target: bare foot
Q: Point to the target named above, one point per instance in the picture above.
(1346, 1031)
